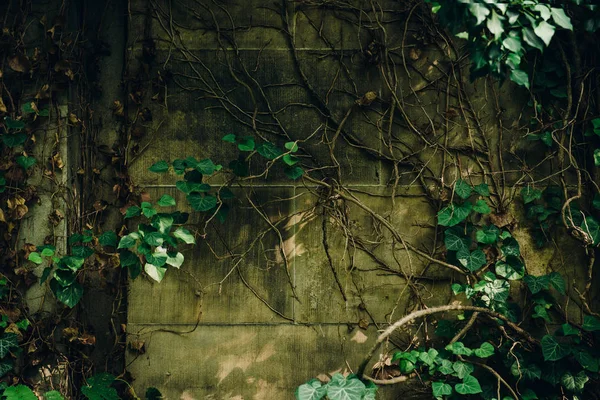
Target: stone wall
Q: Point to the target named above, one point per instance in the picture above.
(295, 284)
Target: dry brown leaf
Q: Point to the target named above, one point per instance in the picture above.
(73, 119)
(19, 63)
(363, 323)
(118, 108)
(414, 54)
(70, 333)
(57, 161)
(2, 217)
(56, 217)
(2, 105)
(13, 328)
(367, 99)
(17, 207)
(87, 339)
(138, 346)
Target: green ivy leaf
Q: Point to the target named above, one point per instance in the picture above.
(290, 159)
(454, 214)
(340, 388)
(179, 166)
(513, 44)
(541, 311)
(569, 330)
(574, 383)
(488, 235)
(494, 24)
(532, 39)
(26, 162)
(108, 238)
(462, 369)
(229, 138)
(482, 189)
(189, 187)
(155, 272)
(14, 139)
(154, 238)
(471, 260)
(166, 201)
(292, 146)
(128, 241)
(510, 247)
(590, 324)
(520, 77)
(446, 367)
(207, 167)
(524, 370)
(545, 31)
(441, 389)
(597, 157)
(293, 172)
(553, 350)
(246, 144)
(592, 228)
(201, 202)
(459, 349)
(65, 277)
(23, 324)
(586, 360)
(429, 356)
(68, 295)
(479, 11)
(469, 385)
(73, 262)
(8, 341)
(127, 258)
(184, 235)
(482, 207)
(13, 123)
(529, 194)
(596, 201)
(5, 367)
(557, 281)
(268, 150)
(98, 388)
(82, 251)
(148, 210)
(455, 241)
(311, 390)
(133, 211)
(511, 269)
(176, 260)
(35, 257)
(537, 283)
(462, 189)
(485, 350)
(159, 167)
(19, 392)
(561, 18)
(53, 395)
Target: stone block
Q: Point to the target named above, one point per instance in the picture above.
(373, 282)
(244, 362)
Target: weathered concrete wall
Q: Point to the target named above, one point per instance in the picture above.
(254, 310)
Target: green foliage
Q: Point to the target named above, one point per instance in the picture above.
(500, 35)
(99, 388)
(19, 392)
(338, 388)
